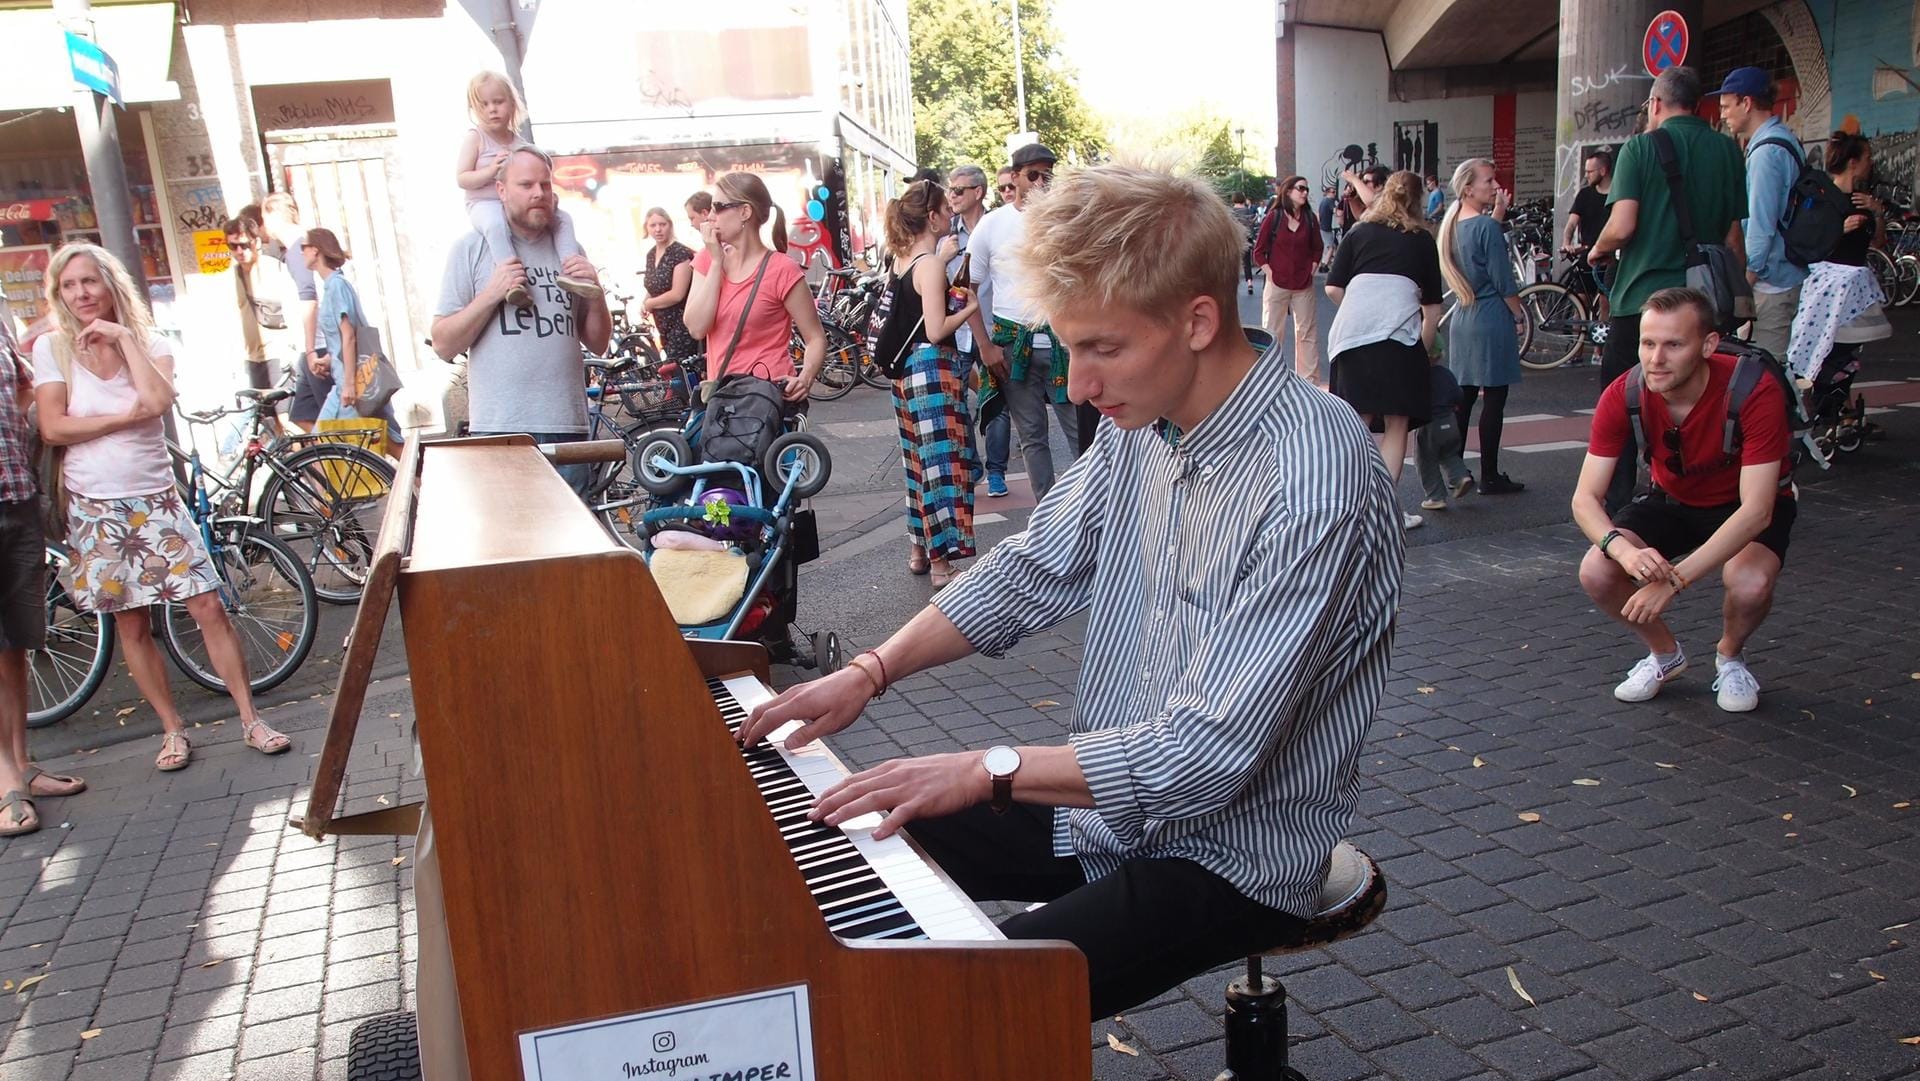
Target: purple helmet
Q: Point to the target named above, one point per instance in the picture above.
(720, 524)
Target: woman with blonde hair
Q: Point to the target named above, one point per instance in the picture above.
(930, 395)
(1483, 336)
(103, 380)
(752, 297)
(1386, 279)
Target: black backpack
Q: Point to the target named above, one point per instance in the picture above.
(889, 334)
(1752, 365)
(742, 420)
(1816, 214)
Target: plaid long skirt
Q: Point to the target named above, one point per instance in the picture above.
(936, 447)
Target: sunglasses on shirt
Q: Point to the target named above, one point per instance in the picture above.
(1671, 439)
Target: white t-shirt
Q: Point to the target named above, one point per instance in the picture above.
(993, 245)
(119, 465)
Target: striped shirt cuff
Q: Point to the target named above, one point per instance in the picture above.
(1103, 761)
(970, 604)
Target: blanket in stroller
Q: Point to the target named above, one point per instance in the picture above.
(699, 586)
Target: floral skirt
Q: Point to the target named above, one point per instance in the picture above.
(133, 552)
(936, 448)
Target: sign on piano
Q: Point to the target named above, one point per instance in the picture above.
(764, 1036)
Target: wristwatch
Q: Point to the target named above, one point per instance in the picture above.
(1001, 763)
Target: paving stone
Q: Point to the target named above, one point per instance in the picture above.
(126, 1038)
(1474, 1020)
(204, 1035)
(1752, 1055)
(1532, 1056)
(1639, 1055)
(1373, 1024)
(1429, 1058)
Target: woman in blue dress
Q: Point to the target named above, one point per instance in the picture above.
(1483, 335)
(342, 324)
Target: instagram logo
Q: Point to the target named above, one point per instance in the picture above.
(663, 1042)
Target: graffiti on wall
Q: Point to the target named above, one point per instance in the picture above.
(1349, 157)
(1416, 146)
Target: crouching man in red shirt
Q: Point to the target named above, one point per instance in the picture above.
(1708, 509)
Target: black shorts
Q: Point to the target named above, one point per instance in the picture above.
(23, 576)
(1674, 529)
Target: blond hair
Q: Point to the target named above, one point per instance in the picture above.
(493, 78)
(1456, 278)
(129, 310)
(1397, 205)
(1134, 237)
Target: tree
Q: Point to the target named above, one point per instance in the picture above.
(1200, 141)
(964, 102)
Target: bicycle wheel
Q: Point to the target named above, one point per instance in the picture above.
(269, 599)
(1883, 269)
(1908, 269)
(1556, 326)
(870, 373)
(838, 375)
(621, 517)
(65, 672)
(325, 503)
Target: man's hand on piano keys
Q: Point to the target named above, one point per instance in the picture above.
(904, 789)
(826, 705)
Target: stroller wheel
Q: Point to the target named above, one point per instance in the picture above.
(1849, 438)
(827, 654)
(666, 444)
(806, 452)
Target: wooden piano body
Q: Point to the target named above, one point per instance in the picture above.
(593, 845)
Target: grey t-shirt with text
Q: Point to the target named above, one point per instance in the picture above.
(523, 371)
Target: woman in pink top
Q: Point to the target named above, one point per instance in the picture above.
(103, 380)
(753, 342)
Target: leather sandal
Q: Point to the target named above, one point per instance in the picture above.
(176, 750)
(942, 573)
(917, 564)
(18, 805)
(56, 784)
(270, 743)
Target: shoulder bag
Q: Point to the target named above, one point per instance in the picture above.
(1712, 268)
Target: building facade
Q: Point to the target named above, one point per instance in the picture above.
(358, 108)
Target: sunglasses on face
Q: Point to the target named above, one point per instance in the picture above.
(958, 189)
(1035, 176)
(1299, 187)
(719, 207)
(1006, 187)
(239, 245)
(1671, 439)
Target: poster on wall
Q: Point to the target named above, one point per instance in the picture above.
(23, 275)
(1417, 146)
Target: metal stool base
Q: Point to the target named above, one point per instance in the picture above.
(1257, 1029)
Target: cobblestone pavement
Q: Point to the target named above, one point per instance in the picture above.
(1705, 895)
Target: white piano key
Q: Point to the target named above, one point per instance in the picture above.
(932, 899)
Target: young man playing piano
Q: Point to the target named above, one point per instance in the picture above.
(1234, 535)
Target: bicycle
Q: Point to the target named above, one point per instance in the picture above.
(264, 588)
(1903, 236)
(321, 495)
(78, 654)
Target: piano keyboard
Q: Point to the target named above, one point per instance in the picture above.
(866, 889)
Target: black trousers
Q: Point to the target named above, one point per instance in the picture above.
(1622, 352)
(1144, 928)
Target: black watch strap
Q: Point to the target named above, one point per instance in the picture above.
(1002, 795)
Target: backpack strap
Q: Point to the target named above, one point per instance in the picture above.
(1747, 373)
(1670, 165)
(1634, 391)
(1798, 155)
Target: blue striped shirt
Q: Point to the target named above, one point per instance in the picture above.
(1242, 588)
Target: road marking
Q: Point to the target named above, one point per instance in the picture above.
(989, 518)
(1874, 410)
(1584, 412)
(1882, 383)
(1564, 444)
(1528, 418)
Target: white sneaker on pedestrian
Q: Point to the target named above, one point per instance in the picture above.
(1411, 521)
(1738, 691)
(1647, 677)
(1433, 504)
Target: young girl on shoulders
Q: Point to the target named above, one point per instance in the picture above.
(498, 111)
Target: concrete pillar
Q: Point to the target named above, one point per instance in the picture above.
(1603, 81)
(1285, 142)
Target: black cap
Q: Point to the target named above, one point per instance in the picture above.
(1032, 153)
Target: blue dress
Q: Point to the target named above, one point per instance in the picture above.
(1481, 347)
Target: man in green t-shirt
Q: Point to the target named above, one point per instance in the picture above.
(1642, 236)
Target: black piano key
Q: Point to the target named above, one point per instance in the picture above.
(852, 897)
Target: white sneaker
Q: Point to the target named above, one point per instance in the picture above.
(1738, 691)
(1647, 677)
(1433, 504)
(1411, 521)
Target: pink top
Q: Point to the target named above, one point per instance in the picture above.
(490, 153)
(119, 465)
(764, 348)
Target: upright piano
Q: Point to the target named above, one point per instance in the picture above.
(608, 888)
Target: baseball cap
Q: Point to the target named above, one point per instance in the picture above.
(1031, 153)
(1746, 82)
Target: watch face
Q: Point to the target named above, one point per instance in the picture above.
(1001, 761)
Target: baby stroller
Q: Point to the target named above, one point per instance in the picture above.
(727, 531)
(1838, 415)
